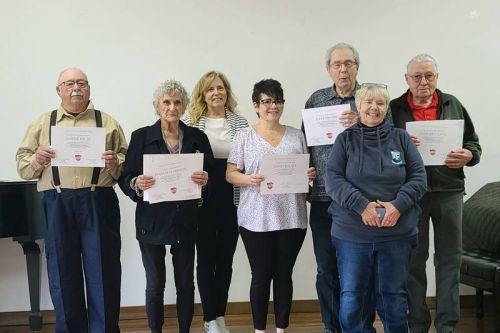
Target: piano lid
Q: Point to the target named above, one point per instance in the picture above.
(21, 212)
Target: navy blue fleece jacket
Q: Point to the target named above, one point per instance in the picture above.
(369, 164)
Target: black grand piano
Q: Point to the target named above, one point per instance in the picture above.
(22, 218)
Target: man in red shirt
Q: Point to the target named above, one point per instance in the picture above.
(444, 200)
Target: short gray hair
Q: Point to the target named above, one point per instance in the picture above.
(70, 68)
(342, 45)
(171, 87)
(422, 57)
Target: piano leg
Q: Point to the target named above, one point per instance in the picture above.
(33, 257)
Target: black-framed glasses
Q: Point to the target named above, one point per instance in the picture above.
(269, 102)
(338, 64)
(428, 77)
(71, 83)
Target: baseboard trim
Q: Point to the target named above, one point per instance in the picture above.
(233, 308)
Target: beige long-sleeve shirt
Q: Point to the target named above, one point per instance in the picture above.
(37, 135)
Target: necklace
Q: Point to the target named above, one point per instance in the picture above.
(175, 148)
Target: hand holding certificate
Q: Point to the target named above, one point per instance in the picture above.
(78, 146)
(172, 174)
(437, 138)
(284, 174)
(322, 125)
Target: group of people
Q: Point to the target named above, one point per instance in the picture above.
(371, 202)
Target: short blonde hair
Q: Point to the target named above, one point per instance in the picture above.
(372, 89)
(198, 106)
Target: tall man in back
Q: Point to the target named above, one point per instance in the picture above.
(82, 240)
(342, 63)
(444, 201)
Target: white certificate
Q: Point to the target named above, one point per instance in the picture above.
(322, 125)
(78, 146)
(284, 174)
(172, 174)
(437, 138)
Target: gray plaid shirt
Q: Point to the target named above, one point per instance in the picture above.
(319, 154)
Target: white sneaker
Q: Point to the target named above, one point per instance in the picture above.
(222, 325)
(212, 327)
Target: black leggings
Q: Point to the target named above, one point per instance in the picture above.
(216, 243)
(272, 256)
(153, 259)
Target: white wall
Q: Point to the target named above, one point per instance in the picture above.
(128, 47)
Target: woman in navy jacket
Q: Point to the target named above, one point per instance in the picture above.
(375, 177)
(171, 223)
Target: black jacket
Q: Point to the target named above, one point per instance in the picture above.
(442, 178)
(164, 222)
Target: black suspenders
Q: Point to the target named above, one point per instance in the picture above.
(55, 170)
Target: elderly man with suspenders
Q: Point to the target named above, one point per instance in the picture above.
(82, 240)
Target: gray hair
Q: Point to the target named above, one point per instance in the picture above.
(373, 89)
(342, 45)
(70, 68)
(423, 57)
(171, 87)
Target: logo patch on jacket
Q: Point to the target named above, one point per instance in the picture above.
(396, 157)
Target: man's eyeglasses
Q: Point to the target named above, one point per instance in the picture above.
(428, 77)
(71, 84)
(348, 64)
(269, 102)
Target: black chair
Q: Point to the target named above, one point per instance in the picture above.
(481, 246)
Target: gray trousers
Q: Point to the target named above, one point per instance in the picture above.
(445, 211)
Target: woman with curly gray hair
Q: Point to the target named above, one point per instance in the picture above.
(171, 223)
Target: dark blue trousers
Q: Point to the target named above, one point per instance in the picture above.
(82, 245)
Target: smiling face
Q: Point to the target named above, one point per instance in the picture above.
(215, 95)
(170, 108)
(372, 109)
(268, 108)
(74, 90)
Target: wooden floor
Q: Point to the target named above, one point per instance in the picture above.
(299, 323)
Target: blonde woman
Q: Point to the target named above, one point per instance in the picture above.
(375, 177)
(213, 111)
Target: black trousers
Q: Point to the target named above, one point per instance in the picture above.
(216, 244)
(272, 256)
(153, 259)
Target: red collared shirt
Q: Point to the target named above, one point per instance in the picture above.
(423, 112)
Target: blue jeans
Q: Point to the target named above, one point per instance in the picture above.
(380, 267)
